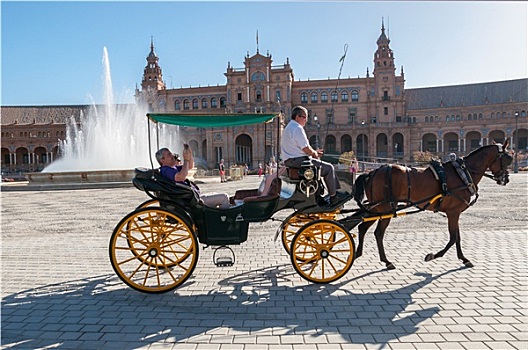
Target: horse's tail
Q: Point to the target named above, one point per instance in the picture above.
(359, 188)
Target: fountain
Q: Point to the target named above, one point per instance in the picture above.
(111, 142)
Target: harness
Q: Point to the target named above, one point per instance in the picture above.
(388, 192)
(438, 170)
(462, 170)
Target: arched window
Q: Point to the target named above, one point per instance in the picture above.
(492, 115)
(475, 116)
(177, 105)
(426, 119)
(304, 97)
(222, 102)
(258, 95)
(214, 103)
(185, 104)
(344, 96)
(334, 96)
(324, 97)
(523, 113)
(314, 97)
(355, 95)
(204, 103)
(258, 76)
(481, 116)
(195, 103)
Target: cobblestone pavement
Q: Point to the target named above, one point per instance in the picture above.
(59, 289)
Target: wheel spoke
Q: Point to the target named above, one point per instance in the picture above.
(149, 245)
(323, 251)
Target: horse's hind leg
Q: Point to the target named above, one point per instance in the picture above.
(454, 238)
(379, 232)
(362, 229)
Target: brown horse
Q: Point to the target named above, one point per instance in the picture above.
(392, 188)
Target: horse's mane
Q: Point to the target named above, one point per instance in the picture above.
(478, 150)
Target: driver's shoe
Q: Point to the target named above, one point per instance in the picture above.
(339, 197)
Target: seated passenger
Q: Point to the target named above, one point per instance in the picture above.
(172, 168)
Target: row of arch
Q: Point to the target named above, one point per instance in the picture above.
(203, 103)
(40, 134)
(22, 155)
(475, 116)
(383, 146)
(334, 96)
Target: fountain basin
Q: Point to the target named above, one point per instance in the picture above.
(89, 176)
(76, 180)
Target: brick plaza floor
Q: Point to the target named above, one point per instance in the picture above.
(59, 289)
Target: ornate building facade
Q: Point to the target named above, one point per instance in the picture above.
(375, 116)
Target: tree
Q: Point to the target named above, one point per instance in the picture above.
(422, 157)
(347, 157)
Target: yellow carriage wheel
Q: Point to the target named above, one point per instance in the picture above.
(298, 220)
(322, 251)
(149, 203)
(153, 250)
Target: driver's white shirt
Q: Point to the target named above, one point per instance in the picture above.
(293, 141)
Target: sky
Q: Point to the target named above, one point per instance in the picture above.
(51, 52)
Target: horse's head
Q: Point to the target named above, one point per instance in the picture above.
(499, 164)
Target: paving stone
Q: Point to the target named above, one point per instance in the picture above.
(59, 289)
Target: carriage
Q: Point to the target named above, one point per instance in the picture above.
(155, 248)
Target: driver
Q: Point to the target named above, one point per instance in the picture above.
(172, 168)
(296, 148)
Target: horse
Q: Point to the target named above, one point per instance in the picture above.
(394, 187)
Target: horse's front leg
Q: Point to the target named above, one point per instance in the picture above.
(454, 238)
(362, 230)
(379, 233)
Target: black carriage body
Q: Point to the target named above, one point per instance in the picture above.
(228, 226)
(213, 226)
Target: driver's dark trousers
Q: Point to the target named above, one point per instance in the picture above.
(327, 172)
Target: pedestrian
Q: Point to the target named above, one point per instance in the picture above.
(353, 168)
(221, 169)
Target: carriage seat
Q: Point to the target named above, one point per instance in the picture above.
(293, 173)
(150, 180)
(269, 190)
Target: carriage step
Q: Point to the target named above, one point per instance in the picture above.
(226, 257)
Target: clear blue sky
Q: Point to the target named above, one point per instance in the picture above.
(52, 51)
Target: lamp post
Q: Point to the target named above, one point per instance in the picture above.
(363, 141)
(318, 126)
(515, 164)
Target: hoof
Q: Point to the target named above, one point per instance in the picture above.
(390, 266)
(429, 257)
(468, 264)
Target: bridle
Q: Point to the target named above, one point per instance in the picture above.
(501, 176)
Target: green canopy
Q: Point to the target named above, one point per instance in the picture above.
(210, 120)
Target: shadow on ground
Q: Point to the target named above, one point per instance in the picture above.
(100, 311)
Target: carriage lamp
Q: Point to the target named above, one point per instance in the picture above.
(309, 174)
